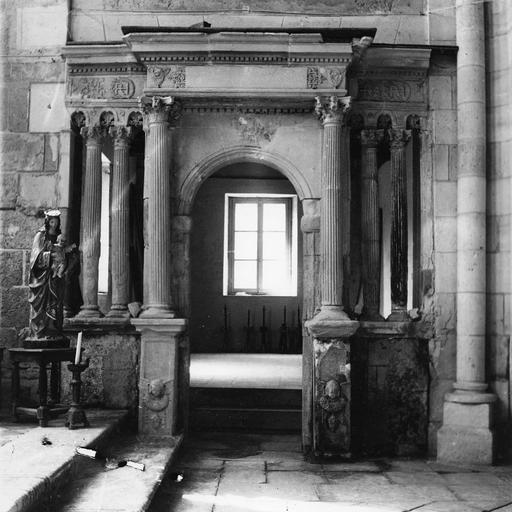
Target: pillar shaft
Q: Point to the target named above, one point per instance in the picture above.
(120, 227)
(90, 228)
(330, 216)
(399, 227)
(370, 228)
(471, 203)
(157, 261)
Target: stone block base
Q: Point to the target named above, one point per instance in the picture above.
(466, 436)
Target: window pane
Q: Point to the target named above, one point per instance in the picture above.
(245, 274)
(274, 246)
(274, 217)
(246, 216)
(275, 277)
(246, 245)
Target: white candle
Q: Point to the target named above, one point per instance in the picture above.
(78, 348)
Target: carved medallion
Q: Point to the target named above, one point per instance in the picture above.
(122, 88)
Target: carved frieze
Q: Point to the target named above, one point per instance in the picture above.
(254, 130)
(390, 90)
(325, 78)
(168, 76)
(118, 88)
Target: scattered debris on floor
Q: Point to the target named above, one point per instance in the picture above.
(110, 462)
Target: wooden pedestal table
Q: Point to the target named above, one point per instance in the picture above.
(42, 357)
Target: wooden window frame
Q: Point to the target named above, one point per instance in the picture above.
(260, 200)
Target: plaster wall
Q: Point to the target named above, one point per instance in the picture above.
(295, 139)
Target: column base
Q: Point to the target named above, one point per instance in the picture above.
(331, 323)
(118, 311)
(89, 312)
(466, 436)
(157, 311)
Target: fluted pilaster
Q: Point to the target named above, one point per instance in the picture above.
(120, 227)
(90, 228)
(399, 228)
(370, 231)
(157, 261)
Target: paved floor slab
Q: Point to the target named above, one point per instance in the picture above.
(244, 474)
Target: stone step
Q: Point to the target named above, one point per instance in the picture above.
(43, 477)
(100, 485)
(246, 398)
(246, 419)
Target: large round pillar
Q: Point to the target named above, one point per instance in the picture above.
(466, 435)
(90, 227)
(157, 178)
(120, 227)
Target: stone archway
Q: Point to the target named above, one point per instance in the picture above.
(238, 154)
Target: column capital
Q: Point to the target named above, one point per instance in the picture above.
(121, 135)
(160, 109)
(333, 112)
(370, 138)
(398, 138)
(92, 134)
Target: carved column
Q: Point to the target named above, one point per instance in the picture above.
(90, 227)
(467, 435)
(331, 327)
(370, 225)
(157, 258)
(399, 227)
(120, 227)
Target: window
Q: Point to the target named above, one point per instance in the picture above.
(260, 245)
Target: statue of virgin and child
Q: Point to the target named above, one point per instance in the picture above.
(51, 258)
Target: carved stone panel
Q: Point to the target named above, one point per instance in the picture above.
(326, 78)
(104, 87)
(172, 77)
(389, 90)
(332, 395)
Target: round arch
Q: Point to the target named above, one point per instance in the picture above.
(238, 154)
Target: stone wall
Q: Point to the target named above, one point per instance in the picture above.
(440, 306)
(390, 386)
(33, 147)
(111, 380)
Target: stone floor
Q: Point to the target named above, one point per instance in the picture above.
(267, 473)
